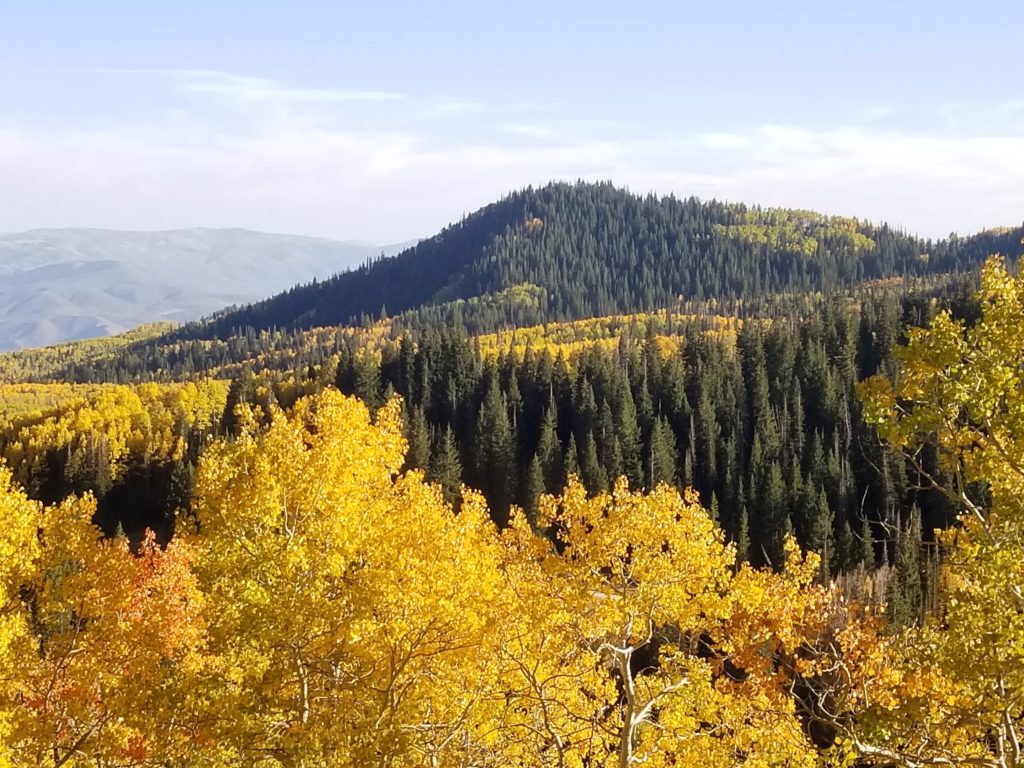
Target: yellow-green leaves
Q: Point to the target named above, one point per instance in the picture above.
(953, 691)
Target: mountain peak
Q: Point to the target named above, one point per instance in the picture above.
(595, 249)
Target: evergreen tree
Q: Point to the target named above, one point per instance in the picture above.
(179, 490)
(591, 472)
(662, 456)
(572, 461)
(367, 381)
(549, 451)
(773, 515)
(495, 452)
(629, 436)
(417, 434)
(819, 536)
(845, 557)
(446, 467)
(743, 537)
(906, 596)
(531, 489)
(867, 545)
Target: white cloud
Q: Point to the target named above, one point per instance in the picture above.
(724, 141)
(292, 169)
(530, 131)
(254, 89)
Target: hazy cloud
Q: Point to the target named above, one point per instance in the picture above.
(300, 167)
(253, 89)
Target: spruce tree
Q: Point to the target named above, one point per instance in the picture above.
(495, 453)
(819, 535)
(629, 436)
(446, 466)
(845, 557)
(867, 545)
(906, 596)
(531, 489)
(662, 456)
(179, 491)
(549, 452)
(743, 537)
(591, 472)
(572, 462)
(367, 381)
(417, 435)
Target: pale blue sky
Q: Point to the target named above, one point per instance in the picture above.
(385, 121)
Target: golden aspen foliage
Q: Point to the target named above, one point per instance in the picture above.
(19, 549)
(347, 604)
(118, 424)
(575, 337)
(952, 693)
(638, 645)
(99, 633)
(329, 610)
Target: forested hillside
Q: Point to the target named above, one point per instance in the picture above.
(614, 627)
(561, 252)
(759, 416)
(581, 250)
(508, 440)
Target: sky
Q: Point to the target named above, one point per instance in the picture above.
(386, 121)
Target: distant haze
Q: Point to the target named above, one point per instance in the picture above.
(388, 121)
(64, 284)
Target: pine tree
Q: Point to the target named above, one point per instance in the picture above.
(446, 467)
(773, 514)
(743, 537)
(819, 535)
(906, 595)
(867, 545)
(629, 436)
(549, 451)
(495, 452)
(572, 461)
(367, 383)
(179, 490)
(591, 472)
(604, 437)
(705, 427)
(417, 435)
(663, 457)
(531, 489)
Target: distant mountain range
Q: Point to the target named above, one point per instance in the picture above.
(65, 284)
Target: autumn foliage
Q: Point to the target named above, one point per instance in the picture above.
(322, 607)
(329, 610)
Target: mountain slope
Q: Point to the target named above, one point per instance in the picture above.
(593, 249)
(63, 284)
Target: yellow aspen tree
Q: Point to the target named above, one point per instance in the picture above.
(634, 643)
(348, 605)
(109, 632)
(952, 692)
(19, 548)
